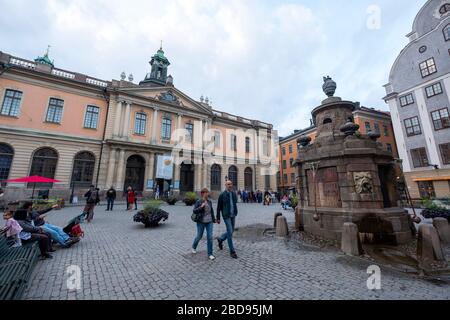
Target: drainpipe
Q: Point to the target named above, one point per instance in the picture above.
(105, 91)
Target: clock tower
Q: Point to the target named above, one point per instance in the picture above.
(158, 74)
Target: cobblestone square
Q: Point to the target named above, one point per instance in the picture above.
(120, 259)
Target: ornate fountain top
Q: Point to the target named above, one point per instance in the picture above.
(329, 86)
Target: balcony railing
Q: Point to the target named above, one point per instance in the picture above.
(22, 63)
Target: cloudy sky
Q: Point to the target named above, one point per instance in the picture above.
(261, 59)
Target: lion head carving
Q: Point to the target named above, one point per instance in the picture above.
(363, 182)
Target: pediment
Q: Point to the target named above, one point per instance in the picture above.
(168, 95)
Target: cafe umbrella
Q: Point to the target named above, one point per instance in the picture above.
(32, 179)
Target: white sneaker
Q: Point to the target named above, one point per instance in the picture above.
(194, 251)
(212, 258)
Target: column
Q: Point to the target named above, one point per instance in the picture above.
(205, 183)
(118, 115)
(111, 167)
(120, 171)
(150, 169)
(126, 122)
(176, 177)
(198, 178)
(154, 138)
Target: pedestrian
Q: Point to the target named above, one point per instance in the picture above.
(204, 207)
(227, 205)
(131, 198)
(157, 192)
(110, 198)
(92, 199)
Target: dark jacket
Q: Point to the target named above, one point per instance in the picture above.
(92, 197)
(22, 217)
(38, 222)
(223, 205)
(111, 194)
(197, 208)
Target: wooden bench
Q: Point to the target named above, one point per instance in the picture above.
(16, 265)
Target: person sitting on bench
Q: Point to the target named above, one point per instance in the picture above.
(31, 233)
(57, 234)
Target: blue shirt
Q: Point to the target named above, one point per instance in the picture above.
(232, 209)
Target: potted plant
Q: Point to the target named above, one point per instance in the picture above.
(190, 198)
(171, 200)
(433, 210)
(152, 215)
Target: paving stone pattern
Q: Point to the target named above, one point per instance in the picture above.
(120, 259)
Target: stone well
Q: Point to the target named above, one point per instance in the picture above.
(347, 177)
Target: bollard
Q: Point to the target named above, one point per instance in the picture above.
(350, 241)
(443, 229)
(278, 214)
(429, 247)
(282, 230)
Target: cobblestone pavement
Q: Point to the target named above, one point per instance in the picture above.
(119, 259)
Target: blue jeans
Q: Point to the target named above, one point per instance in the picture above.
(209, 234)
(56, 233)
(110, 203)
(229, 223)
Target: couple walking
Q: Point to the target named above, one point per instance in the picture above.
(227, 206)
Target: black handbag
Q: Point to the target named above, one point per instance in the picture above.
(197, 217)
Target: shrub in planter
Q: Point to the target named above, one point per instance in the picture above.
(190, 198)
(171, 201)
(433, 210)
(152, 215)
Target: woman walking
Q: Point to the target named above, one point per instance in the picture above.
(204, 207)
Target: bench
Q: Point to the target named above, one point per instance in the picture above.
(16, 265)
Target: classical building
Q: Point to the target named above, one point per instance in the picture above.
(418, 96)
(82, 130)
(368, 119)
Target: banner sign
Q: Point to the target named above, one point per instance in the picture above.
(164, 168)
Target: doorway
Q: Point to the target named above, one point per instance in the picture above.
(135, 173)
(187, 177)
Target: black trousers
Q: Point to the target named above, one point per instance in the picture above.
(110, 203)
(44, 241)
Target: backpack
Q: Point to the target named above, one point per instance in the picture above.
(77, 231)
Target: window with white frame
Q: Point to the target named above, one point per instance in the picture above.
(166, 128)
(428, 67)
(217, 139)
(233, 142)
(440, 119)
(55, 110)
(406, 100)
(412, 126)
(91, 117)
(446, 32)
(11, 103)
(433, 90)
(189, 132)
(247, 144)
(140, 122)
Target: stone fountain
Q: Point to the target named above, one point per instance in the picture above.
(346, 177)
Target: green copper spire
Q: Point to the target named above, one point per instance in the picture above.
(159, 65)
(45, 59)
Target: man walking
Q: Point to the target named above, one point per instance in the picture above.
(227, 205)
(110, 197)
(92, 199)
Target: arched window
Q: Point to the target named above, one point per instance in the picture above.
(216, 177)
(445, 8)
(248, 179)
(327, 121)
(6, 156)
(233, 176)
(83, 169)
(447, 32)
(44, 165)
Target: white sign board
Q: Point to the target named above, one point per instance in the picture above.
(164, 168)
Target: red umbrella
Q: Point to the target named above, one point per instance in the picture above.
(32, 179)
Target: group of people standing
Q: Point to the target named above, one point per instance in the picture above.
(227, 209)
